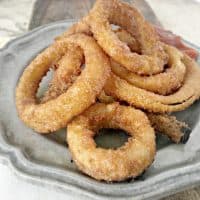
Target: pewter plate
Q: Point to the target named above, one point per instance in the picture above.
(45, 160)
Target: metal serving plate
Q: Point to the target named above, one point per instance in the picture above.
(46, 160)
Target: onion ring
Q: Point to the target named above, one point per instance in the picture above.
(67, 70)
(153, 56)
(163, 83)
(123, 91)
(163, 123)
(140, 98)
(54, 114)
(119, 164)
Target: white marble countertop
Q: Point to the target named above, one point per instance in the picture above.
(180, 16)
(14, 18)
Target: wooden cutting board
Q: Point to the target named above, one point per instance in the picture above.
(46, 11)
(51, 10)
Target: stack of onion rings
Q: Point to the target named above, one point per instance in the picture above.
(115, 12)
(60, 83)
(131, 66)
(163, 83)
(181, 99)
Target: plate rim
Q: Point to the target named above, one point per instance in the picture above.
(10, 154)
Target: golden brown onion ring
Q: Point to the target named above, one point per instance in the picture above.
(163, 123)
(153, 56)
(167, 81)
(163, 83)
(66, 72)
(184, 97)
(129, 160)
(140, 98)
(54, 114)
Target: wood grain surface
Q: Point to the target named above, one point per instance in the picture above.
(52, 10)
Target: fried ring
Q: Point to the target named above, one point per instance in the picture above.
(66, 72)
(153, 56)
(164, 83)
(175, 134)
(140, 98)
(54, 114)
(123, 91)
(163, 123)
(129, 160)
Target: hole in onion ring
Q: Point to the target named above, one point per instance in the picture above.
(44, 84)
(111, 138)
(127, 38)
(115, 27)
(162, 141)
(46, 80)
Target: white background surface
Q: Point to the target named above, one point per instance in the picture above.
(181, 16)
(12, 188)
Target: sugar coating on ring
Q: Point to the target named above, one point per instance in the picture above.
(129, 160)
(104, 13)
(163, 124)
(140, 98)
(163, 83)
(56, 113)
(66, 71)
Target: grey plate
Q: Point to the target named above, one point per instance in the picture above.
(46, 159)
